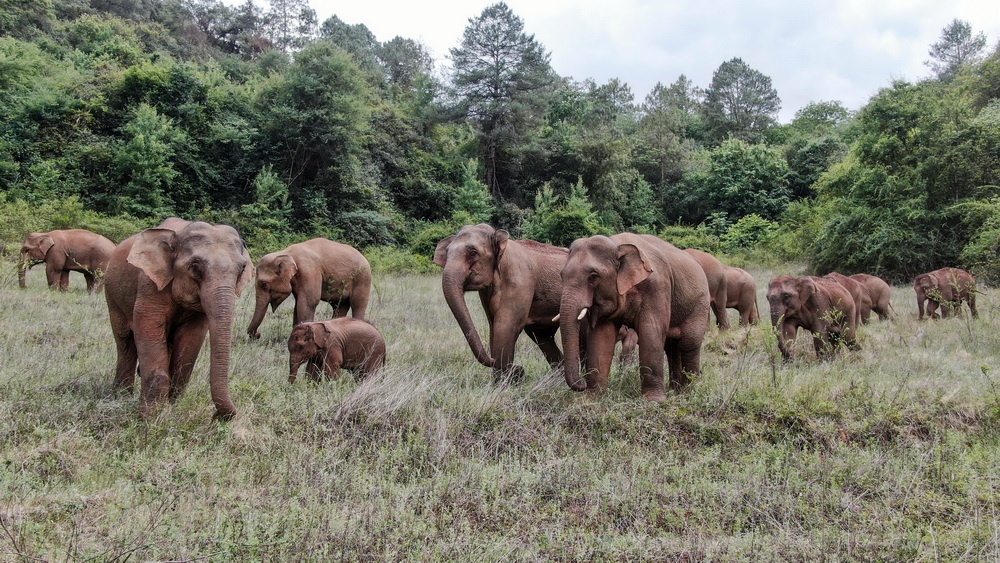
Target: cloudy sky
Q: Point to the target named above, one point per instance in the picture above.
(811, 49)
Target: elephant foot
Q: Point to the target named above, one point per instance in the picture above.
(224, 416)
(655, 395)
(514, 375)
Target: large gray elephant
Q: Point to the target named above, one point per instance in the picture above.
(718, 284)
(518, 284)
(641, 282)
(820, 305)
(946, 287)
(741, 294)
(65, 251)
(166, 289)
(315, 270)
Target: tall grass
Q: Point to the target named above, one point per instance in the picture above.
(887, 453)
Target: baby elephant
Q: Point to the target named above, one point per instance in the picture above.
(327, 346)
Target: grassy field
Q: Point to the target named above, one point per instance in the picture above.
(890, 453)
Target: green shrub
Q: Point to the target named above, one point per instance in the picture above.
(700, 237)
(387, 260)
(749, 232)
(425, 238)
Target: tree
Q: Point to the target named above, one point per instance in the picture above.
(495, 68)
(740, 103)
(957, 48)
(743, 179)
(292, 23)
(357, 40)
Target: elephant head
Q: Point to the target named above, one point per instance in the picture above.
(787, 296)
(303, 345)
(207, 267)
(36, 246)
(470, 260)
(274, 284)
(596, 279)
(927, 287)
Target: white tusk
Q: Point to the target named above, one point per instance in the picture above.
(583, 313)
(555, 319)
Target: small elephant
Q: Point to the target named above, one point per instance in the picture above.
(518, 284)
(65, 251)
(741, 294)
(820, 305)
(313, 271)
(946, 287)
(328, 346)
(718, 284)
(638, 281)
(880, 294)
(167, 288)
(859, 292)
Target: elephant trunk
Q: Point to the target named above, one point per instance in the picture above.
(294, 364)
(258, 315)
(920, 303)
(22, 269)
(569, 327)
(454, 295)
(219, 307)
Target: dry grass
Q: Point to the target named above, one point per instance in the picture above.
(888, 453)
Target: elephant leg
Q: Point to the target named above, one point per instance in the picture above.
(822, 346)
(64, 280)
(305, 310)
(503, 341)
(545, 339)
(91, 281)
(154, 359)
(601, 341)
(786, 340)
(127, 355)
(971, 300)
(721, 315)
(185, 344)
(334, 361)
(685, 361)
(932, 309)
(341, 308)
(313, 370)
(652, 351)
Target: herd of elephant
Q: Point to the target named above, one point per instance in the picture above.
(169, 287)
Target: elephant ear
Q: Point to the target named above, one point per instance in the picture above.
(153, 253)
(285, 267)
(500, 240)
(247, 275)
(318, 332)
(45, 244)
(441, 252)
(807, 288)
(633, 267)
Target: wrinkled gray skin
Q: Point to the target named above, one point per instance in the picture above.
(641, 282)
(859, 292)
(312, 271)
(329, 346)
(819, 305)
(946, 288)
(65, 251)
(741, 294)
(167, 288)
(880, 293)
(718, 284)
(518, 284)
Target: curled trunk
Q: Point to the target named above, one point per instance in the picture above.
(258, 315)
(454, 295)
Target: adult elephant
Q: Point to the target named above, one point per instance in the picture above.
(741, 294)
(946, 287)
(167, 288)
(821, 306)
(859, 293)
(65, 251)
(641, 282)
(718, 284)
(313, 271)
(518, 284)
(879, 292)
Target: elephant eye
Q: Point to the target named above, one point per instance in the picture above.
(196, 269)
(263, 285)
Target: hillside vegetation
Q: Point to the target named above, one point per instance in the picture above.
(890, 453)
(287, 128)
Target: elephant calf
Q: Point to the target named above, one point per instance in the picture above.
(946, 287)
(328, 346)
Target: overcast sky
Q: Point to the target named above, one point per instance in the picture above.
(812, 50)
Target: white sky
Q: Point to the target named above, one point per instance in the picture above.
(812, 50)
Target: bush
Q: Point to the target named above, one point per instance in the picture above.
(749, 232)
(425, 238)
(700, 237)
(387, 260)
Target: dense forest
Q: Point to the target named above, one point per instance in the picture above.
(117, 113)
